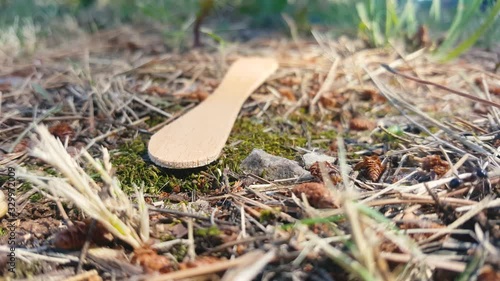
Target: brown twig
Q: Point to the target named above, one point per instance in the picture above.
(462, 94)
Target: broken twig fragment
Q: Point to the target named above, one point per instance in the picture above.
(462, 94)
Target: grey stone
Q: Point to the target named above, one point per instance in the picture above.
(312, 157)
(271, 167)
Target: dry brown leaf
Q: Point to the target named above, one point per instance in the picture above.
(488, 273)
(200, 261)
(287, 93)
(329, 102)
(22, 146)
(494, 90)
(157, 90)
(421, 38)
(199, 95)
(5, 87)
(361, 124)
(150, 260)
(74, 236)
(290, 81)
(372, 94)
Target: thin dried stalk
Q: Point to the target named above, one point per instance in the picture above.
(78, 187)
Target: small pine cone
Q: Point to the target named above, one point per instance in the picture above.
(61, 131)
(371, 167)
(436, 164)
(316, 193)
(316, 172)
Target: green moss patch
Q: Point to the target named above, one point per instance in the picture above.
(277, 137)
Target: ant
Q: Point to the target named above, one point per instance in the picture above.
(480, 173)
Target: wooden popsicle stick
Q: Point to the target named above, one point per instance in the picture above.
(198, 137)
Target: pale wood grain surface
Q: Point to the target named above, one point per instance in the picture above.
(197, 138)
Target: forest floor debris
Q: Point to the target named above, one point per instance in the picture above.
(410, 193)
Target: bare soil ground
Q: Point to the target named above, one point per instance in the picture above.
(412, 195)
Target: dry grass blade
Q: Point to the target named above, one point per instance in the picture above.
(480, 206)
(435, 261)
(462, 94)
(396, 63)
(327, 85)
(3, 205)
(88, 275)
(26, 255)
(79, 188)
(366, 256)
(247, 272)
(343, 259)
(212, 268)
(398, 103)
(31, 126)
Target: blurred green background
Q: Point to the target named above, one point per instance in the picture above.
(456, 24)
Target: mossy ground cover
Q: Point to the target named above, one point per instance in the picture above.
(277, 137)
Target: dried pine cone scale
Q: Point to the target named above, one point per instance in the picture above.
(371, 167)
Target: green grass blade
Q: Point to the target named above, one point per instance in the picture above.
(391, 18)
(463, 17)
(465, 45)
(42, 92)
(452, 31)
(472, 266)
(365, 23)
(408, 22)
(435, 11)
